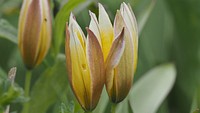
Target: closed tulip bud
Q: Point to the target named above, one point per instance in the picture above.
(85, 65)
(120, 47)
(34, 31)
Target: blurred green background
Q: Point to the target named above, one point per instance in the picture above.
(169, 32)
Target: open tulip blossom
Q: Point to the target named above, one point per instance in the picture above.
(115, 47)
(34, 33)
(120, 59)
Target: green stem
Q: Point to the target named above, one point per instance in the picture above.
(113, 108)
(27, 89)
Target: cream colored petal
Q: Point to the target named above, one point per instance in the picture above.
(113, 60)
(106, 30)
(94, 27)
(126, 14)
(96, 66)
(80, 78)
(135, 37)
(130, 21)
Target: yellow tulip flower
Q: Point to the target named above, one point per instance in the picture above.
(120, 56)
(85, 65)
(34, 31)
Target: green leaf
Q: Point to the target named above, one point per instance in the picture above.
(49, 87)
(60, 22)
(7, 31)
(148, 93)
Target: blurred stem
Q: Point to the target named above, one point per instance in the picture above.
(27, 89)
(113, 108)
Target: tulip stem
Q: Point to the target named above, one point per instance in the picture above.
(88, 111)
(27, 89)
(113, 108)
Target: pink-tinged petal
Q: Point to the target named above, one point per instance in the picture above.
(119, 23)
(96, 64)
(22, 19)
(67, 53)
(112, 61)
(106, 30)
(31, 33)
(94, 27)
(124, 71)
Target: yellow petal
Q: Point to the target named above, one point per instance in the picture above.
(96, 66)
(80, 78)
(106, 31)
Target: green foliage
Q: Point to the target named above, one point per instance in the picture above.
(7, 31)
(9, 92)
(186, 16)
(49, 87)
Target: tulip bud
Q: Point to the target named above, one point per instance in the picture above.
(34, 32)
(85, 65)
(119, 46)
